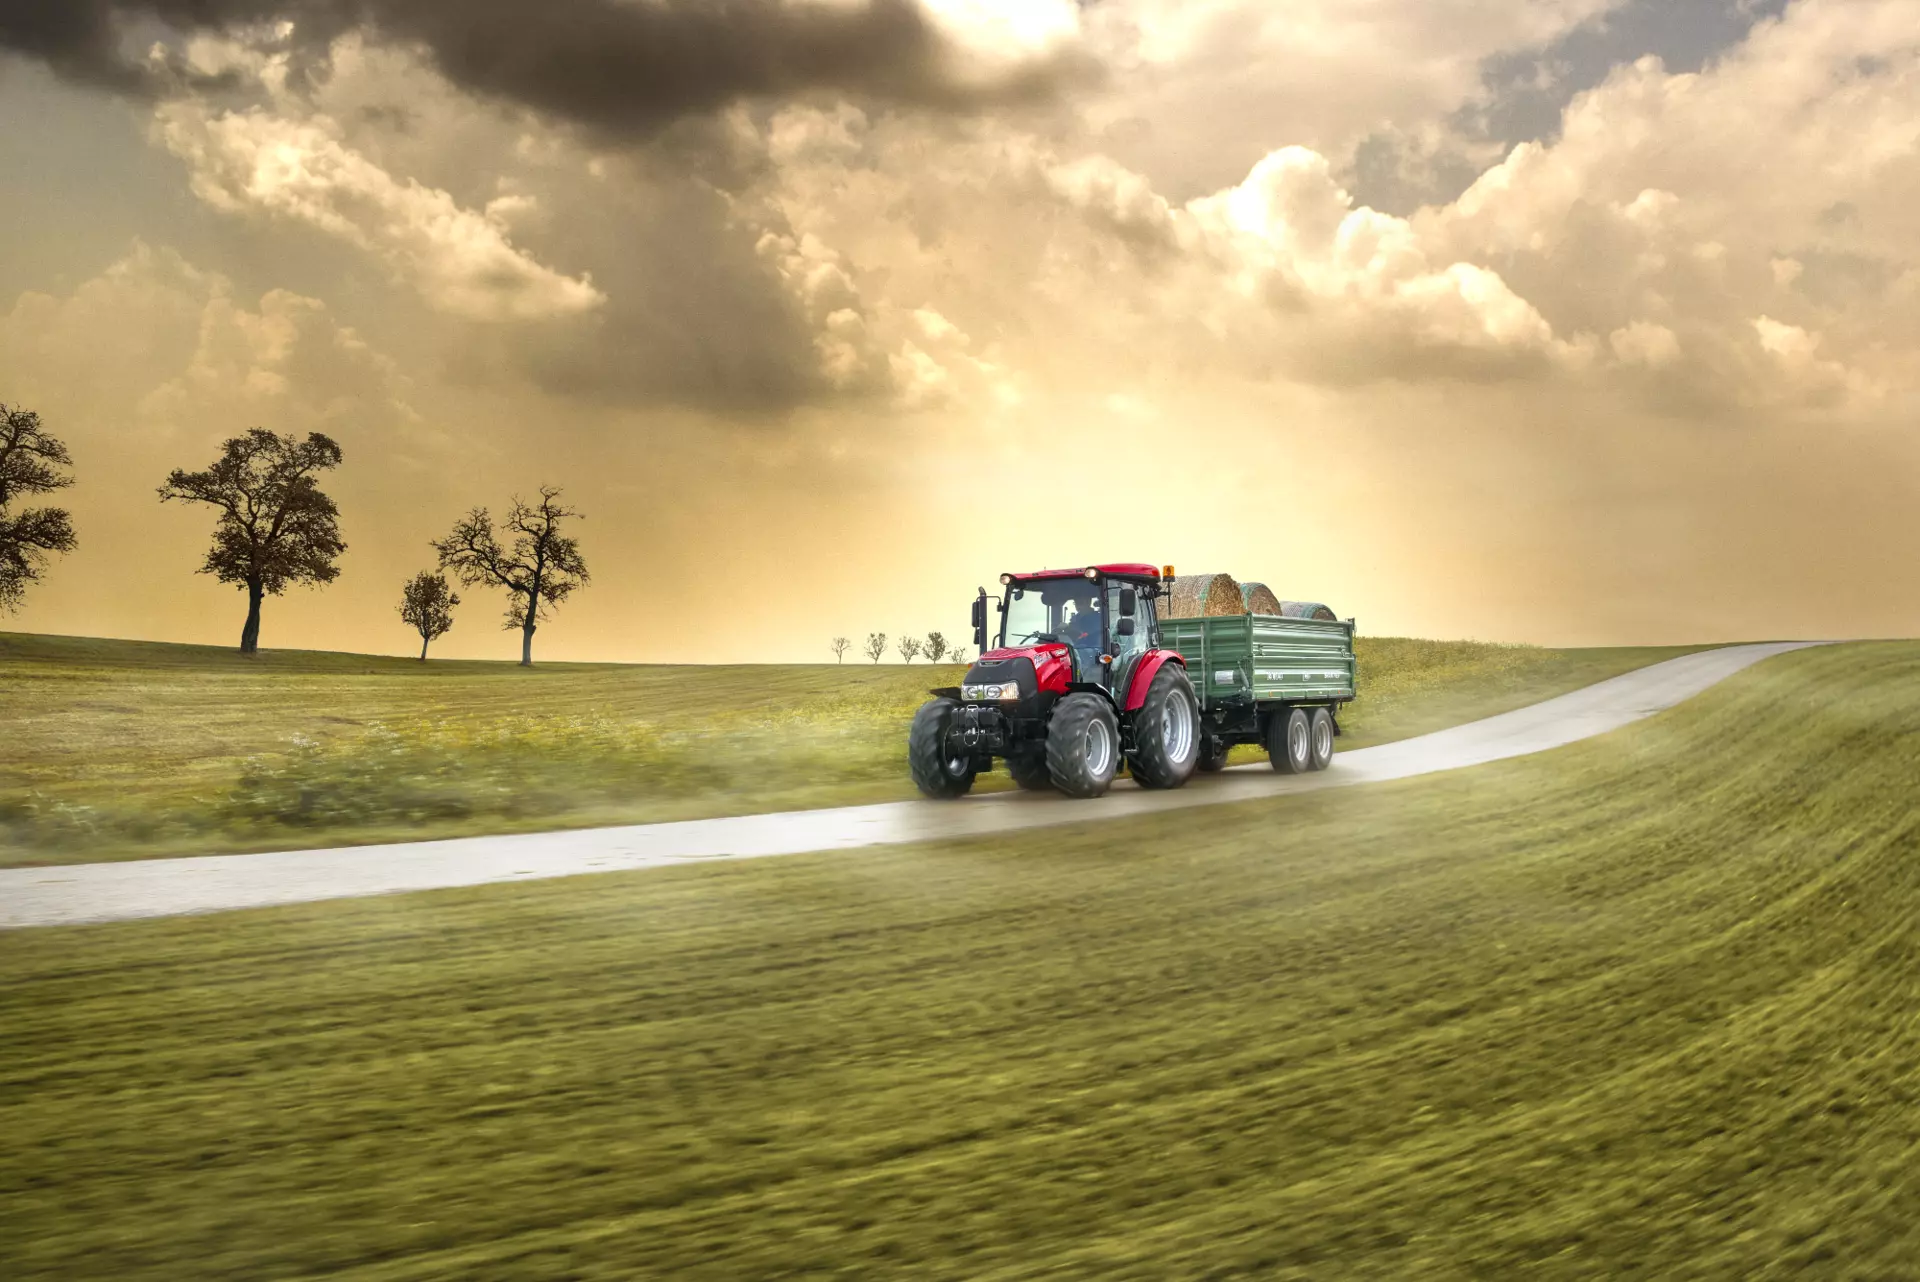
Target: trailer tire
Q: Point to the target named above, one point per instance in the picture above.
(1213, 754)
(1166, 731)
(1029, 769)
(1083, 745)
(1289, 741)
(1320, 738)
(936, 773)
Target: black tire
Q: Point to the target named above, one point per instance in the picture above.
(934, 772)
(1213, 755)
(1166, 731)
(1289, 741)
(1028, 766)
(1083, 745)
(1320, 739)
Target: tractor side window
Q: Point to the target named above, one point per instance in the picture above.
(1142, 622)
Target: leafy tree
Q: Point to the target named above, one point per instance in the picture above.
(541, 570)
(876, 645)
(426, 605)
(30, 463)
(909, 648)
(839, 648)
(958, 656)
(935, 646)
(276, 527)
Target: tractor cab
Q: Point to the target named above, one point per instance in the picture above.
(1070, 685)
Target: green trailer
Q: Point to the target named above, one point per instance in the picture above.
(1267, 679)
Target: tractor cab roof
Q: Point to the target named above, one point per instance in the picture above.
(1114, 570)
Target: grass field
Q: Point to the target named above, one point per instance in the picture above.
(1648, 1006)
(116, 749)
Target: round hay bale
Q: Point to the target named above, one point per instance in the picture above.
(1259, 598)
(1202, 595)
(1308, 610)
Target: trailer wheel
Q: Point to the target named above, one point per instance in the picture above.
(1289, 742)
(1213, 754)
(1083, 745)
(936, 771)
(1320, 736)
(1029, 769)
(1166, 731)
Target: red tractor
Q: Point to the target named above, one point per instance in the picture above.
(1078, 684)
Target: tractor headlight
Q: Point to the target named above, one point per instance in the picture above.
(990, 693)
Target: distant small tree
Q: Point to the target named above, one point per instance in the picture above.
(936, 647)
(30, 463)
(541, 570)
(276, 528)
(909, 648)
(839, 647)
(876, 645)
(426, 604)
(958, 656)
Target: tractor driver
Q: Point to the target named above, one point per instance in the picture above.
(1082, 628)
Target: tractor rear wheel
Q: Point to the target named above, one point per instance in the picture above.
(1166, 731)
(1083, 745)
(937, 772)
(1290, 742)
(1028, 766)
(1320, 734)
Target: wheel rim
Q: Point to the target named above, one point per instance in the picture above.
(1099, 747)
(1297, 738)
(1322, 740)
(1176, 729)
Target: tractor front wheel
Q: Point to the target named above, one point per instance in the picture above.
(1166, 731)
(1028, 766)
(937, 772)
(1083, 745)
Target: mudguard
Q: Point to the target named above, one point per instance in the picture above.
(1144, 673)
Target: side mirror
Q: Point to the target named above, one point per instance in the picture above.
(979, 613)
(1124, 628)
(1129, 603)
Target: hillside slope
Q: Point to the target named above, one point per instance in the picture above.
(1643, 1006)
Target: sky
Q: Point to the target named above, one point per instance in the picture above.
(1568, 322)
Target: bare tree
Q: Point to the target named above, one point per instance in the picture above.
(426, 605)
(876, 645)
(935, 646)
(909, 648)
(958, 656)
(30, 463)
(276, 528)
(541, 570)
(839, 648)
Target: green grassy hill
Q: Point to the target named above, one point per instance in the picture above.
(1640, 1007)
(116, 749)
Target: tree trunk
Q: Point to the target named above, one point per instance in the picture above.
(250, 634)
(526, 643)
(423, 647)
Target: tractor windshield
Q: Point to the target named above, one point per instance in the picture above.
(1056, 610)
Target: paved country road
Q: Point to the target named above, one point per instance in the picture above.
(168, 887)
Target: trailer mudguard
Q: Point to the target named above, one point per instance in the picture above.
(1144, 673)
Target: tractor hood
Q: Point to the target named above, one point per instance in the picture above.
(1046, 667)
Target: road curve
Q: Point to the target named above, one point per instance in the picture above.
(76, 893)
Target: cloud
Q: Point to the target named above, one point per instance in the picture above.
(255, 162)
(622, 66)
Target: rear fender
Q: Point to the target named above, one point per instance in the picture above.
(1144, 673)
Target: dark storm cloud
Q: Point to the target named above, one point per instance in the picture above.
(623, 66)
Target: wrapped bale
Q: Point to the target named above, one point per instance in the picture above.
(1259, 598)
(1308, 610)
(1203, 596)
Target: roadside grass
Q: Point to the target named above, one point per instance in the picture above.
(1643, 1006)
(119, 749)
